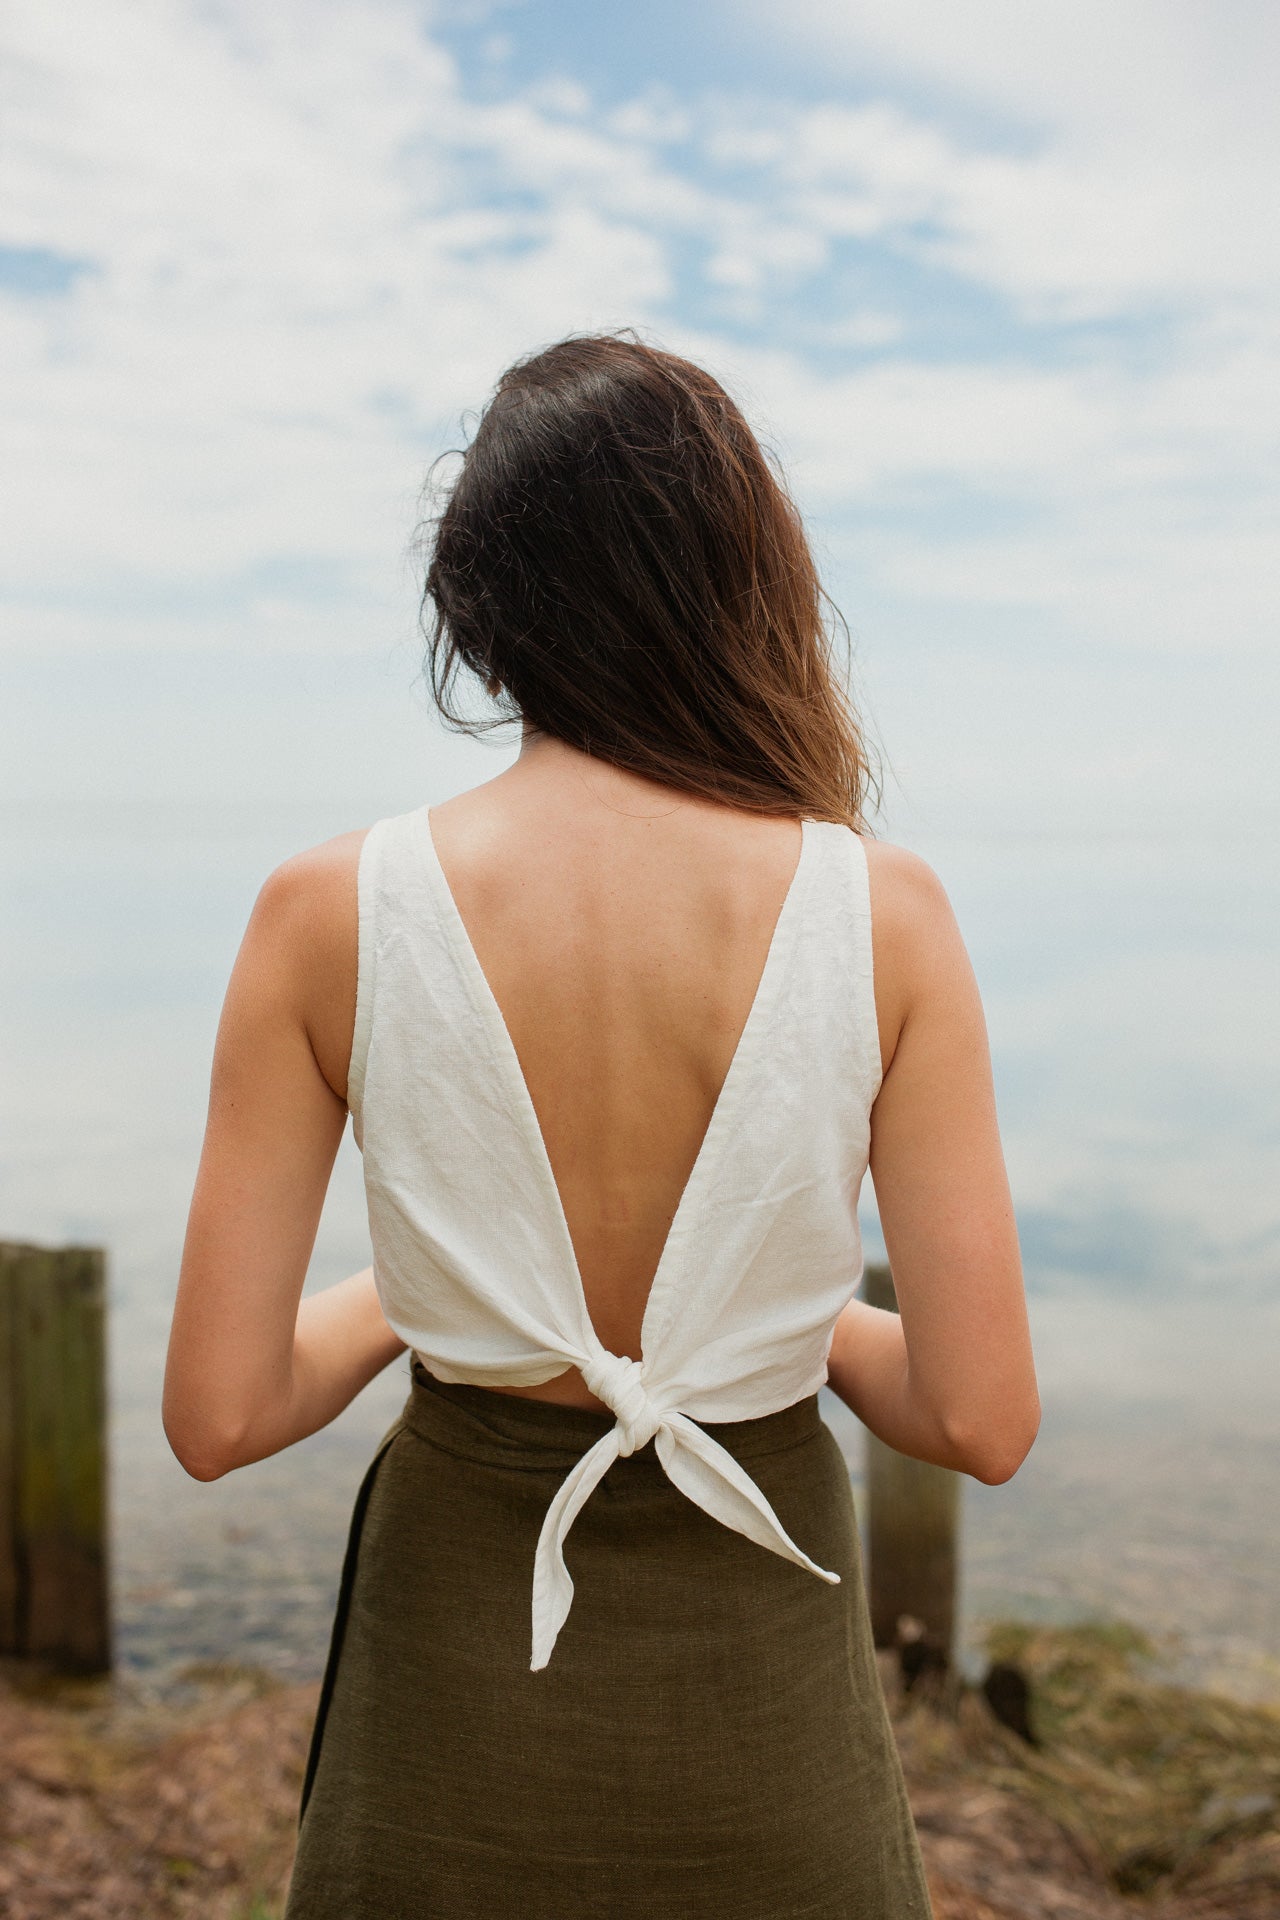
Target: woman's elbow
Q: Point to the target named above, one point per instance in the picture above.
(202, 1468)
(994, 1451)
(202, 1454)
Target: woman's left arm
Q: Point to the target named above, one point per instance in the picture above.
(252, 1367)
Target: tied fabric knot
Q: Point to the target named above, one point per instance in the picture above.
(692, 1460)
(619, 1382)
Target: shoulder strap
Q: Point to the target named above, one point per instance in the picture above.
(367, 891)
(392, 890)
(844, 951)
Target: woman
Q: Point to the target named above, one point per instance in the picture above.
(619, 1031)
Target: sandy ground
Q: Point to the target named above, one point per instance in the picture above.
(1140, 1800)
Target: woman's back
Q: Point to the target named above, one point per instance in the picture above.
(623, 933)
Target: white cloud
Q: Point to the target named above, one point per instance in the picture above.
(293, 216)
(1124, 154)
(314, 249)
(1082, 70)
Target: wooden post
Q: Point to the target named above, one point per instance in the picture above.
(913, 1519)
(54, 1598)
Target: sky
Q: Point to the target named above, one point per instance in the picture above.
(1000, 286)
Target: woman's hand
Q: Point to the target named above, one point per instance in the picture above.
(251, 1367)
(951, 1377)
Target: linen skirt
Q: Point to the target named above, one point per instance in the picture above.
(708, 1742)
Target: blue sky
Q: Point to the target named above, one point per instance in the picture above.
(999, 283)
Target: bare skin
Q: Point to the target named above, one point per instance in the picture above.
(623, 929)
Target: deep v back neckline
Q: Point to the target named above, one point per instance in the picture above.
(506, 1064)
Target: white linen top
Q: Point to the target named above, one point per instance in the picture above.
(472, 1257)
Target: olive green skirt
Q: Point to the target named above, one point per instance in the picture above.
(708, 1742)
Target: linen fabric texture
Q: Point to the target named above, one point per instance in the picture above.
(472, 1257)
(710, 1741)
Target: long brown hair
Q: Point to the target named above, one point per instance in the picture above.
(619, 559)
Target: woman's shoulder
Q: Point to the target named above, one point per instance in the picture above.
(905, 890)
(309, 886)
(913, 934)
(307, 915)
(910, 909)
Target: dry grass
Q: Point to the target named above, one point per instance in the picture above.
(1141, 1797)
(1142, 1802)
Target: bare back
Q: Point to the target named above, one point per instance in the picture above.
(623, 930)
(623, 933)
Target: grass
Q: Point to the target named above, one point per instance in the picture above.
(1164, 1788)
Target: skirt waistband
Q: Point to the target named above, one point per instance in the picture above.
(510, 1430)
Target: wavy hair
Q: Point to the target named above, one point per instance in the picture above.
(619, 565)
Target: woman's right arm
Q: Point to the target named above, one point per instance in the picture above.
(950, 1378)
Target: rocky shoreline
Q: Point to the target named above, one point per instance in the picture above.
(1136, 1798)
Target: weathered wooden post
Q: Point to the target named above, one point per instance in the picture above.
(54, 1598)
(913, 1523)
